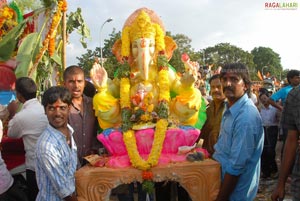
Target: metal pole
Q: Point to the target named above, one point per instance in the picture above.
(101, 57)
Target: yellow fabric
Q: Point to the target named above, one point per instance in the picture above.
(107, 110)
(185, 105)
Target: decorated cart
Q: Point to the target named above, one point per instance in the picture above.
(150, 115)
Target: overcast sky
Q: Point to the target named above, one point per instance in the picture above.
(243, 23)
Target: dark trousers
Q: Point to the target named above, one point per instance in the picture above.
(129, 196)
(283, 138)
(268, 157)
(17, 192)
(163, 191)
(32, 184)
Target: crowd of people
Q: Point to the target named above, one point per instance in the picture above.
(279, 114)
(240, 132)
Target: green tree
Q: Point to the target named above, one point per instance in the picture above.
(223, 53)
(183, 46)
(265, 58)
(86, 61)
(283, 74)
(110, 64)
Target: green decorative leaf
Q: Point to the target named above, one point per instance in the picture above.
(148, 186)
(27, 53)
(163, 110)
(16, 8)
(9, 42)
(76, 21)
(126, 123)
(56, 58)
(48, 3)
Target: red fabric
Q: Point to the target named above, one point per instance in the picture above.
(30, 28)
(8, 78)
(13, 152)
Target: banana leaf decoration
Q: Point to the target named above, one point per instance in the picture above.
(9, 42)
(27, 52)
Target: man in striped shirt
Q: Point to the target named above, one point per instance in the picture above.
(56, 151)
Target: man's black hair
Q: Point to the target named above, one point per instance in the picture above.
(71, 70)
(55, 93)
(291, 74)
(215, 76)
(239, 69)
(26, 87)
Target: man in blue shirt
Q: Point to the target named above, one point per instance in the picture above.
(240, 142)
(293, 78)
(56, 151)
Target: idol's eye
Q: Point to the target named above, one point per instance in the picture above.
(134, 45)
(152, 44)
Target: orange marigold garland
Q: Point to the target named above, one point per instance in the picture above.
(148, 184)
(49, 41)
(64, 6)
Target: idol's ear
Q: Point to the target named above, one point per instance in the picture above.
(170, 47)
(116, 50)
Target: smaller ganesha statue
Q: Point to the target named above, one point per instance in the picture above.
(147, 112)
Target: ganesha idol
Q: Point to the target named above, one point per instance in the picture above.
(148, 112)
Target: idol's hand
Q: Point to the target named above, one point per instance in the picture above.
(99, 76)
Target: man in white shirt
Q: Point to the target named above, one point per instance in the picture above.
(270, 118)
(9, 190)
(28, 124)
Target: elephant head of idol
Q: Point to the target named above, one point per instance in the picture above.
(143, 38)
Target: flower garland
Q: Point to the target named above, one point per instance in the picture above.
(125, 93)
(163, 81)
(136, 160)
(148, 184)
(9, 15)
(161, 126)
(49, 41)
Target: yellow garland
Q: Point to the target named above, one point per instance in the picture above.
(136, 160)
(161, 126)
(7, 20)
(125, 93)
(163, 80)
(142, 27)
(51, 46)
(51, 34)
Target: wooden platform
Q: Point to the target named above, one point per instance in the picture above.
(201, 179)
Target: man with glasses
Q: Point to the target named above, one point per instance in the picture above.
(241, 139)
